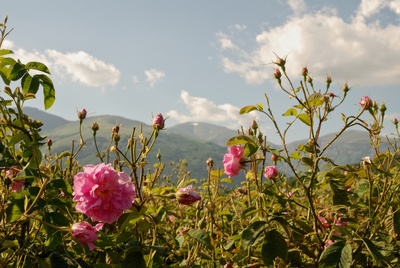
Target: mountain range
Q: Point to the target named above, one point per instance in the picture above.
(194, 142)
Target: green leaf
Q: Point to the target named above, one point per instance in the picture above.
(307, 161)
(295, 155)
(305, 118)
(291, 111)
(274, 246)
(252, 232)
(30, 84)
(202, 237)
(337, 254)
(49, 95)
(37, 66)
(17, 137)
(17, 208)
(248, 109)
(5, 52)
(16, 71)
(260, 106)
(134, 260)
(315, 99)
(227, 180)
(248, 212)
(375, 253)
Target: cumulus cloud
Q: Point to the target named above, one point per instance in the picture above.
(84, 68)
(202, 109)
(79, 66)
(355, 50)
(154, 76)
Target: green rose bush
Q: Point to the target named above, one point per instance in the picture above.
(295, 207)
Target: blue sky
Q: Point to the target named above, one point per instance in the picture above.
(204, 60)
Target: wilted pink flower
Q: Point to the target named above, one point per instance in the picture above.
(232, 159)
(16, 185)
(85, 233)
(158, 122)
(82, 114)
(187, 196)
(270, 172)
(366, 102)
(102, 192)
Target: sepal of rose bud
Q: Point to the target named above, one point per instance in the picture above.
(82, 114)
(158, 122)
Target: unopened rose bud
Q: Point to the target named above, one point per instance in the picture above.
(82, 114)
(304, 72)
(277, 74)
(274, 157)
(280, 62)
(115, 129)
(95, 126)
(395, 121)
(49, 142)
(375, 106)
(254, 125)
(187, 196)
(383, 108)
(328, 80)
(117, 137)
(158, 122)
(210, 162)
(250, 132)
(345, 88)
(309, 79)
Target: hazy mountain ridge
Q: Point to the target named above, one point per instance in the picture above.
(194, 141)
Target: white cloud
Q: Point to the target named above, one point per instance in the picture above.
(84, 68)
(395, 6)
(202, 109)
(357, 51)
(225, 42)
(238, 27)
(154, 76)
(298, 6)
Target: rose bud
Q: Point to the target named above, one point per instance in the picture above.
(187, 196)
(158, 122)
(82, 114)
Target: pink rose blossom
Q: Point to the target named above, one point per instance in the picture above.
(85, 233)
(366, 102)
(102, 192)
(16, 185)
(232, 160)
(187, 196)
(270, 172)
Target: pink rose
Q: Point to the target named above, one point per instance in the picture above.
(232, 160)
(85, 233)
(16, 185)
(270, 172)
(187, 196)
(158, 122)
(366, 102)
(102, 192)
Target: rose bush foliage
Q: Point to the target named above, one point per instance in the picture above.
(294, 208)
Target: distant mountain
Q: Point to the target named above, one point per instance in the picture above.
(204, 131)
(50, 121)
(194, 142)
